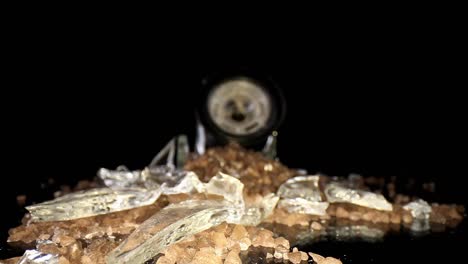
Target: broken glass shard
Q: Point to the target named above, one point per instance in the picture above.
(189, 183)
(421, 211)
(301, 194)
(183, 150)
(269, 150)
(92, 202)
(37, 257)
(228, 187)
(256, 212)
(336, 193)
(174, 154)
(173, 223)
(172, 181)
(303, 206)
(305, 187)
(122, 178)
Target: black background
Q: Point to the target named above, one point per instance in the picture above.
(394, 110)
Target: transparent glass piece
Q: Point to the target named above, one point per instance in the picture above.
(171, 180)
(336, 193)
(92, 202)
(305, 187)
(303, 206)
(183, 150)
(228, 187)
(164, 174)
(171, 224)
(232, 191)
(269, 150)
(37, 257)
(166, 155)
(200, 140)
(187, 184)
(256, 212)
(174, 154)
(421, 211)
(123, 178)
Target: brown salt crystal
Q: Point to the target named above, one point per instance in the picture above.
(330, 260)
(316, 226)
(63, 260)
(165, 260)
(269, 255)
(342, 213)
(65, 240)
(295, 249)
(218, 239)
(281, 241)
(239, 232)
(245, 243)
(316, 257)
(186, 256)
(173, 253)
(44, 237)
(407, 218)
(380, 217)
(281, 249)
(233, 257)
(52, 249)
(86, 260)
(304, 256)
(395, 218)
(203, 242)
(74, 251)
(369, 216)
(295, 257)
(206, 257)
(98, 249)
(278, 255)
(264, 238)
(355, 216)
(221, 228)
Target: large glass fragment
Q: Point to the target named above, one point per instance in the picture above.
(303, 206)
(188, 183)
(37, 257)
(168, 226)
(421, 211)
(232, 191)
(172, 181)
(301, 194)
(306, 187)
(256, 212)
(123, 178)
(336, 193)
(228, 187)
(92, 202)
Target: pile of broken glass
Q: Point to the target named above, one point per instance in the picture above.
(126, 190)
